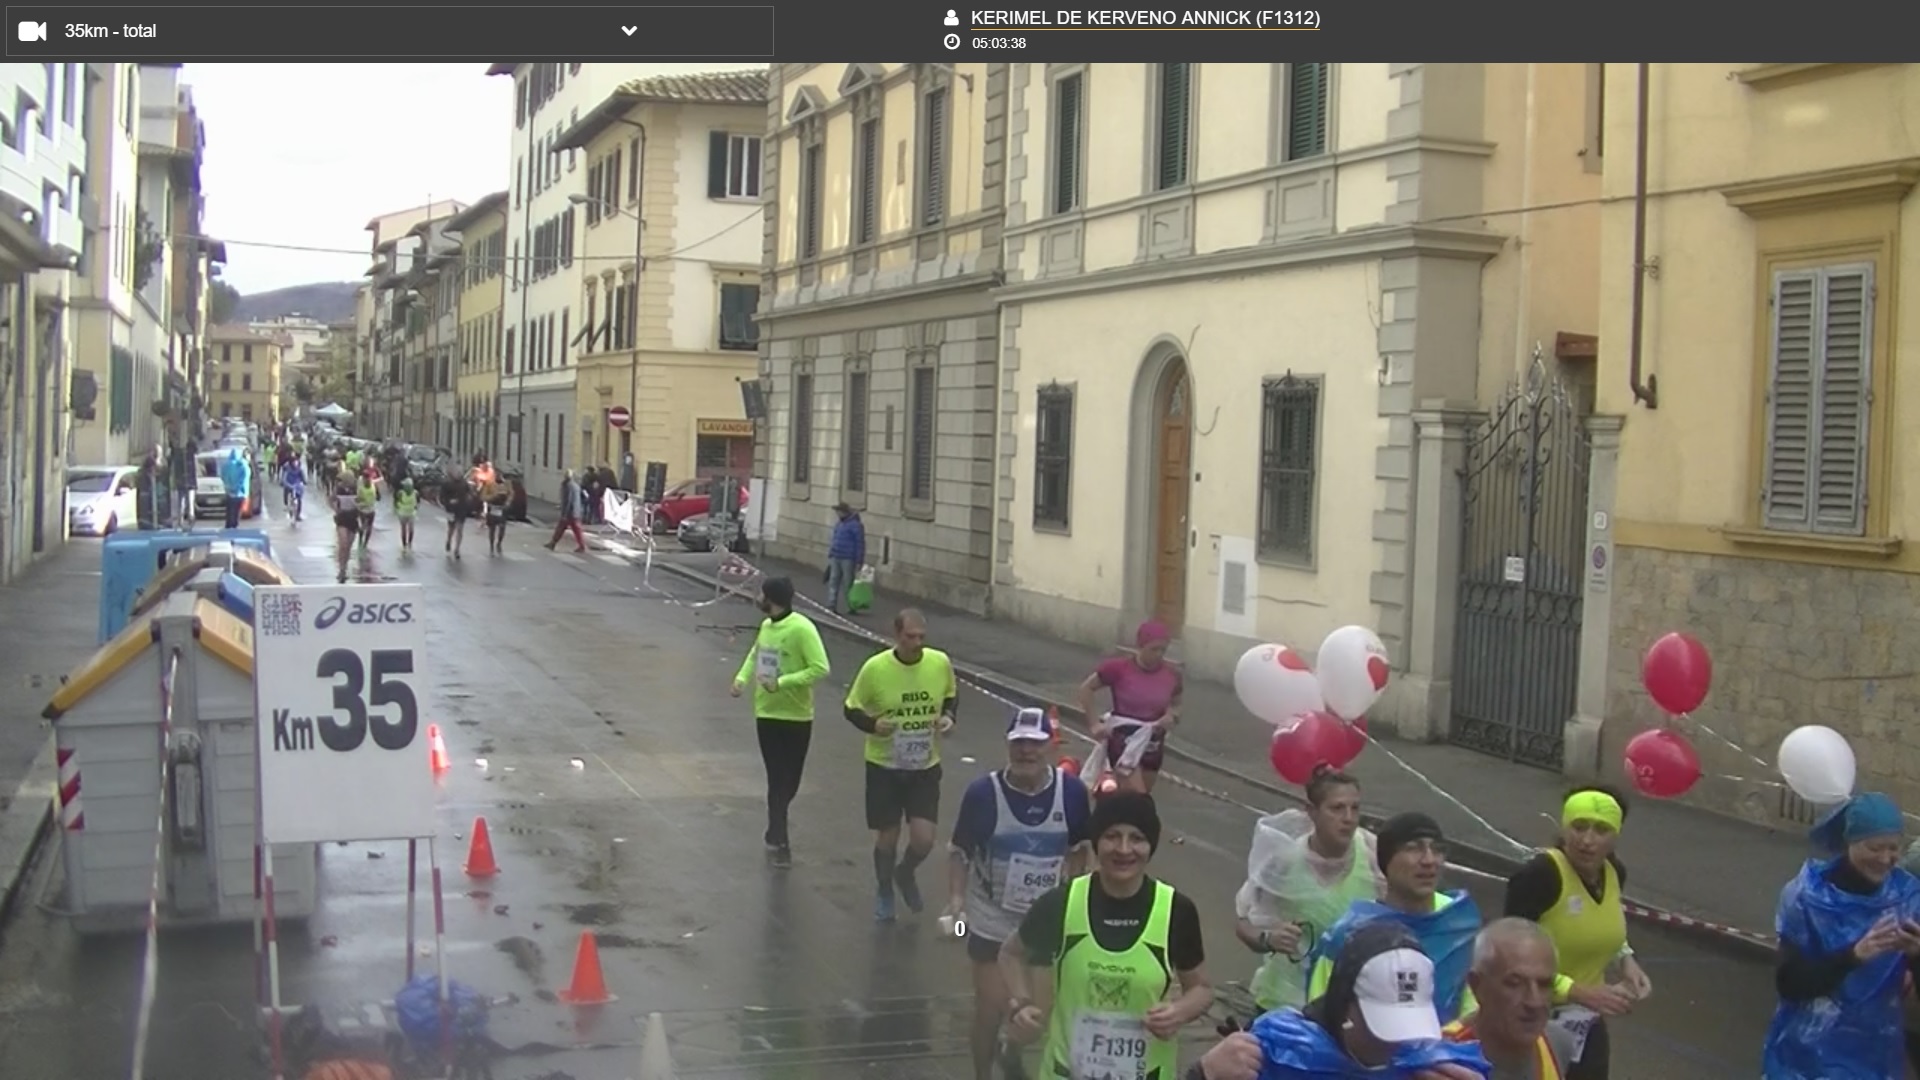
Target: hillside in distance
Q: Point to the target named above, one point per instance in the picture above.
(326, 301)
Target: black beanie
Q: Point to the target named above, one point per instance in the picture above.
(1125, 808)
(1402, 829)
(778, 592)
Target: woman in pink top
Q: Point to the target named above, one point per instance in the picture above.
(1146, 690)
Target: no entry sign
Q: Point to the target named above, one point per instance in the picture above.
(619, 417)
(342, 740)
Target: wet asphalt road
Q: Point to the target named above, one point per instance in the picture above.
(624, 791)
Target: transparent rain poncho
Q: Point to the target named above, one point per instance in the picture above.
(1288, 883)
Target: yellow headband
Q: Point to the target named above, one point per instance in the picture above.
(1593, 806)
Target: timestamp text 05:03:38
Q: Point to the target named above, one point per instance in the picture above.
(1004, 44)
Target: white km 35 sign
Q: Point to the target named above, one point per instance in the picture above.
(343, 746)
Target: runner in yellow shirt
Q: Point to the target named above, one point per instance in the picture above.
(905, 700)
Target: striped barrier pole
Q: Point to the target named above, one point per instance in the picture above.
(150, 962)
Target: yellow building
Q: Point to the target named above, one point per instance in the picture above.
(672, 167)
(1760, 494)
(1260, 324)
(482, 284)
(244, 374)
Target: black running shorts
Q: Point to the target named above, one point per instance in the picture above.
(893, 794)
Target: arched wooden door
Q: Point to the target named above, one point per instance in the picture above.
(1172, 475)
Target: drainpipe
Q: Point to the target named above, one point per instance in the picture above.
(1648, 392)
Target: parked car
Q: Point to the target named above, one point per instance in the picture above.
(210, 492)
(689, 498)
(696, 534)
(100, 497)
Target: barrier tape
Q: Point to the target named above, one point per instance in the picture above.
(150, 962)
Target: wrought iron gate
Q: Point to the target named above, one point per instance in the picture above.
(1516, 664)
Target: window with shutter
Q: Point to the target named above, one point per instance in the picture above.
(738, 303)
(1053, 456)
(866, 192)
(933, 157)
(1289, 467)
(1174, 137)
(612, 192)
(566, 332)
(920, 446)
(717, 164)
(811, 178)
(1068, 143)
(1306, 110)
(1818, 395)
(856, 433)
(633, 174)
(801, 467)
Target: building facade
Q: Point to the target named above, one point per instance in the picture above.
(481, 289)
(669, 273)
(120, 372)
(167, 104)
(1758, 493)
(44, 233)
(879, 336)
(245, 368)
(382, 385)
(1252, 316)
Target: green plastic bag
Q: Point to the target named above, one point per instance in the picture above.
(860, 593)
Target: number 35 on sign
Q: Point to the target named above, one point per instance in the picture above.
(337, 685)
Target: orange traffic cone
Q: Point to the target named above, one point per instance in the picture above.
(480, 862)
(589, 985)
(438, 745)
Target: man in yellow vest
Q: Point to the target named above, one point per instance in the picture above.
(1514, 969)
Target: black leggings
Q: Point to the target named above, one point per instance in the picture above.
(1598, 1057)
(783, 748)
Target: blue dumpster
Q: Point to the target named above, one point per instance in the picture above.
(129, 561)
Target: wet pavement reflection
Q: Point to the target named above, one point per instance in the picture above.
(589, 723)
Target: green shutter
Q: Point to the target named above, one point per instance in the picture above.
(120, 390)
(1306, 110)
(934, 158)
(1067, 110)
(867, 223)
(1818, 397)
(1176, 113)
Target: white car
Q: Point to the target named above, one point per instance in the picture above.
(101, 498)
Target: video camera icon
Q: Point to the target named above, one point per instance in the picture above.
(33, 30)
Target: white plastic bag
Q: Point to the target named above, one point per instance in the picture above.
(1138, 739)
(864, 575)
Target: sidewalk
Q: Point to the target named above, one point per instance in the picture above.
(1687, 868)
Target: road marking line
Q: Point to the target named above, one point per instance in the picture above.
(518, 556)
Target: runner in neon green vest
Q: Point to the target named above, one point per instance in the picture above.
(1125, 954)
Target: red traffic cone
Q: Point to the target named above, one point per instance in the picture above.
(589, 985)
(438, 749)
(480, 862)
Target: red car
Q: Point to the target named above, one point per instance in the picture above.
(689, 498)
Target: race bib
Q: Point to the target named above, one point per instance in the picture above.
(1028, 876)
(913, 750)
(766, 665)
(1109, 1046)
(1577, 1022)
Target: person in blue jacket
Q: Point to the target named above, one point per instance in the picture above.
(1849, 928)
(236, 473)
(846, 553)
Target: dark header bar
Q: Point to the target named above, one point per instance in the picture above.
(1860, 31)
(399, 32)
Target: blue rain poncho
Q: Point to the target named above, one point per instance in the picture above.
(1854, 1033)
(1297, 1048)
(1445, 935)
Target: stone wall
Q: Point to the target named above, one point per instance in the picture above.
(1792, 644)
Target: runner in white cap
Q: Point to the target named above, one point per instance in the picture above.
(1020, 831)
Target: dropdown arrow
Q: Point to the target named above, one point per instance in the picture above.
(628, 30)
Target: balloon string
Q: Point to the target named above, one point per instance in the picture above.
(1447, 795)
(1736, 747)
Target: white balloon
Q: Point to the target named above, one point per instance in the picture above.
(1275, 683)
(1818, 765)
(1353, 671)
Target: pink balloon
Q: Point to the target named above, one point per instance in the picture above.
(1677, 673)
(1662, 763)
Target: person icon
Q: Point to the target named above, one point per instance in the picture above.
(953, 17)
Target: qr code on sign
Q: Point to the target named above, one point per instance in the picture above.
(280, 616)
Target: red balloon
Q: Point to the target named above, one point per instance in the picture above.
(1662, 763)
(1677, 672)
(1070, 766)
(1313, 739)
(1356, 741)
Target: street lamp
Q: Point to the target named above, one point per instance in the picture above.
(633, 315)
